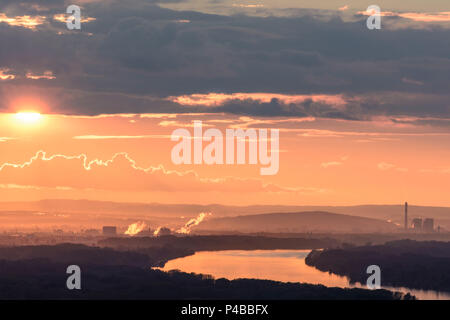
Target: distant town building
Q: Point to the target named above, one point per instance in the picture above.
(91, 231)
(428, 225)
(417, 224)
(109, 231)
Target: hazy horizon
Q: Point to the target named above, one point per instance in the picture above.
(322, 110)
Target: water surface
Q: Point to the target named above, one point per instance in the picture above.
(278, 265)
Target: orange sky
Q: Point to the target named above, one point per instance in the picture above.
(363, 115)
(322, 162)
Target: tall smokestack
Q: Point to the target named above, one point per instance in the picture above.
(406, 215)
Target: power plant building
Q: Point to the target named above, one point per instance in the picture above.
(428, 225)
(417, 224)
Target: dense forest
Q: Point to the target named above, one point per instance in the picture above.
(404, 263)
(219, 242)
(81, 254)
(43, 279)
(39, 272)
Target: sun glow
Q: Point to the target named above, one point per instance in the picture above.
(28, 117)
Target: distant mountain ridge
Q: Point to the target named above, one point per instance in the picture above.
(383, 212)
(107, 212)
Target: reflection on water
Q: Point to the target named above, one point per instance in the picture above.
(278, 265)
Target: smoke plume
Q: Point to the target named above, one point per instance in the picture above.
(135, 228)
(186, 229)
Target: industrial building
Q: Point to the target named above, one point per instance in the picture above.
(417, 224)
(428, 225)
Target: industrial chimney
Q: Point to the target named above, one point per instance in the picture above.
(406, 215)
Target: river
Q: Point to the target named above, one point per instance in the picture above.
(278, 265)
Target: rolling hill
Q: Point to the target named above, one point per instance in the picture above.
(310, 221)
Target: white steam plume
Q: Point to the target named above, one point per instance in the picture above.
(135, 228)
(186, 229)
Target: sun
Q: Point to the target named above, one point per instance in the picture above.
(28, 117)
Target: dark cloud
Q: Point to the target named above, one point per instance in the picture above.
(136, 53)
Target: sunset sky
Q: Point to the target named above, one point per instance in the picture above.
(364, 115)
